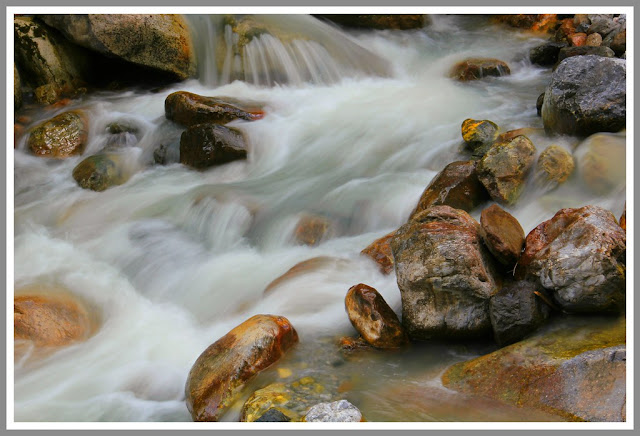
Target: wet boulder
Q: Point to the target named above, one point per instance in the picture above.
(206, 145)
(395, 21)
(587, 94)
(62, 136)
(477, 133)
(504, 167)
(601, 162)
(445, 275)
(555, 165)
(161, 42)
(50, 319)
(219, 374)
(457, 185)
(502, 234)
(190, 109)
(546, 54)
(372, 317)
(576, 369)
(338, 411)
(585, 50)
(101, 171)
(380, 252)
(516, 311)
(539, 103)
(579, 256)
(313, 229)
(478, 68)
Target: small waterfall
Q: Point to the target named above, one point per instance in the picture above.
(278, 49)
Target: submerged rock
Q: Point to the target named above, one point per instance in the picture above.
(577, 372)
(445, 275)
(516, 311)
(221, 371)
(305, 267)
(457, 185)
(395, 21)
(380, 252)
(273, 415)
(313, 229)
(478, 68)
(62, 136)
(546, 54)
(158, 41)
(579, 255)
(601, 161)
(504, 167)
(555, 165)
(338, 411)
(587, 94)
(101, 171)
(372, 317)
(502, 234)
(206, 145)
(190, 109)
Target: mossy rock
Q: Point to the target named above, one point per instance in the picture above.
(100, 171)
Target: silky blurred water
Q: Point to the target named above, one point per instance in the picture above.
(174, 258)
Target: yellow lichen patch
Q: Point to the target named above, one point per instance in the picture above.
(284, 372)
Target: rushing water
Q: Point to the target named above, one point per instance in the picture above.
(174, 258)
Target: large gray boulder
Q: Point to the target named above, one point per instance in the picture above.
(445, 275)
(587, 94)
(158, 41)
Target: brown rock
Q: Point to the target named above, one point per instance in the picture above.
(555, 165)
(579, 255)
(577, 39)
(623, 218)
(50, 319)
(478, 68)
(206, 145)
(380, 252)
(503, 169)
(457, 185)
(502, 234)
(372, 317)
(594, 40)
(62, 136)
(353, 344)
(221, 371)
(601, 162)
(101, 171)
(619, 43)
(302, 268)
(577, 372)
(445, 275)
(567, 27)
(510, 135)
(534, 22)
(190, 109)
(312, 229)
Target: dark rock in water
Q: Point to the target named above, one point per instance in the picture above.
(47, 94)
(502, 234)
(587, 94)
(380, 252)
(478, 68)
(121, 135)
(338, 411)
(157, 41)
(273, 415)
(539, 103)
(601, 162)
(579, 255)
(219, 374)
(100, 171)
(457, 185)
(546, 54)
(577, 372)
(504, 167)
(395, 21)
(205, 145)
(62, 136)
(190, 109)
(118, 127)
(349, 344)
(555, 165)
(445, 275)
(372, 317)
(17, 88)
(313, 229)
(476, 133)
(516, 312)
(585, 50)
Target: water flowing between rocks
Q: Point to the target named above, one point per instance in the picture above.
(356, 126)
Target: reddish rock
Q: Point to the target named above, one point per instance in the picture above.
(190, 109)
(510, 135)
(445, 275)
(577, 39)
(534, 22)
(579, 255)
(313, 229)
(221, 371)
(567, 27)
(380, 252)
(372, 317)
(502, 234)
(62, 136)
(478, 68)
(206, 145)
(457, 185)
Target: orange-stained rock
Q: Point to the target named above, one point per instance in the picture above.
(577, 39)
(545, 23)
(478, 68)
(567, 27)
(219, 374)
(50, 320)
(476, 133)
(372, 317)
(380, 252)
(348, 343)
(623, 218)
(190, 109)
(302, 268)
(312, 229)
(502, 234)
(534, 22)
